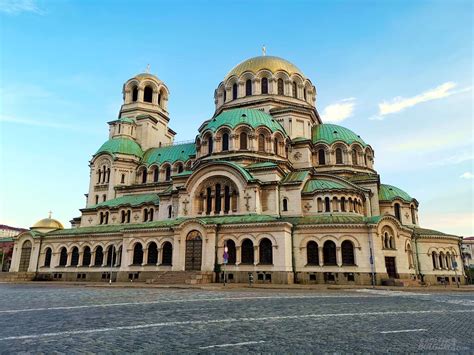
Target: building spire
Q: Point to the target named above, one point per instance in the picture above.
(264, 50)
(147, 70)
(50, 213)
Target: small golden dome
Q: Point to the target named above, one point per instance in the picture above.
(48, 223)
(270, 63)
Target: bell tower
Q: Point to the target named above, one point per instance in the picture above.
(145, 101)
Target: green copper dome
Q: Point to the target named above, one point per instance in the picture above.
(121, 145)
(170, 154)
(322, 184)
(390, 193)
(330, 133)
(253, 118)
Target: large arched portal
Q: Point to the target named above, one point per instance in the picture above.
(193, 251)
(25, 257)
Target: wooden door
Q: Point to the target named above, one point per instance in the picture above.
(391, 267)
(25, 257)
(193, 251)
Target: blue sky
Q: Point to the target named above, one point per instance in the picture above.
(399, 73)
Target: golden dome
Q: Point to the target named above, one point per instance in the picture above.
(256, 64)
(48, 223)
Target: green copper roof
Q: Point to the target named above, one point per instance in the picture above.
(241, 169)
(6, 240)
(327, 219)
(126, 120)
(424, 231)
(129, 200)
(170, 154)
(121, 145)
(253, 118)
(330, 133)
(322, 184)
(295, 177)
(390, 193)
(265, 164)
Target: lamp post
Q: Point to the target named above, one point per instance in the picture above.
(226, 259)
(111, 263)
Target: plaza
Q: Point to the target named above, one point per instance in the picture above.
(45, 318)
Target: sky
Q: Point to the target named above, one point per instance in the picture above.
(399, 73)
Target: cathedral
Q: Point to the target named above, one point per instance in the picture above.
(266, 191)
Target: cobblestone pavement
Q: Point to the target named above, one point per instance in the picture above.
(63, 319)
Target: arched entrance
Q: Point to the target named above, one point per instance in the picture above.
(25, 257)
(193, 251)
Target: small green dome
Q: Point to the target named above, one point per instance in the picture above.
(390, 193)
(121, 145)
(330, 133)
(253, 118)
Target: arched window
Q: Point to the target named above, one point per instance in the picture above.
(225, 142)
(312, 254)
(99, 256)
(47, 257)
(231, 251)
(170, 211)
(180, 168)
(329, 253)
(354, 157)
(248, 87)
(434, 260)
(134, 94)
(285, 204)
(156, 174)
(392, 242)
(226, 199)
(119, 256)
(159, 99)
(410, 256)
(266, 251)
(151, 212)
(111, 256)
(397, 211)
(96, 199)
(225, 95)
(343, 204)
(148, 94)
(243, 141)
(295, 90)
(122, 180)
(168, 173)
(321, 157)
(210, 145)
(234, 91)
(104, 197)
(75, 256)
(108, 174)
(304, 94)
(137, 254)
(152, 253)
(167, 253)
(413, 218)
(264, 86)
(338, 156)
(347, 249)
(217, 200)
(86, 256)
(441, 260)
(144, 174)
(327, 204)
(281, 87)
(275, 146)
(247, 252)
(63, 257)
(261, 142)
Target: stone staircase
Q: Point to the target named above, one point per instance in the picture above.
(16, 276)
(400, 282)
(182, 277)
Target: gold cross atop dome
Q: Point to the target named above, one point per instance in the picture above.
(147, 70)
(50, 213)
(264, 51)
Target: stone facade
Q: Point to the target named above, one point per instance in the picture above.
(290, 198)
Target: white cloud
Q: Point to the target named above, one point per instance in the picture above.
(457, 158)
(339, 111)
(13, 7)
(467, 175)
(399, 103)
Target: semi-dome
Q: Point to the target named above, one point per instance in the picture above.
(270, 63)
(250, 117)
(47, 224)
(330, 133)
(121, 145)
(390, 193)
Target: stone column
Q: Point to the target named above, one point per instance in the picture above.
(321, 255)
(256, 255)
(145, 256)
(338, 256)
(140, 94)
(238, 255)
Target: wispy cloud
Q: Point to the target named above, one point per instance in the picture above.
(339, 111)
(467, 175)
(399, 103)
(456, 158)
(46, 124)
(433, 142)
(14, 7)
